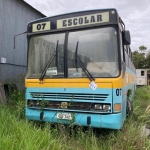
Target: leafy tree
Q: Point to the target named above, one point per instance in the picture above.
(141, 59)
(142, 48)
(148, 60)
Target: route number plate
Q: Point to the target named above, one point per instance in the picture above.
(41, 26)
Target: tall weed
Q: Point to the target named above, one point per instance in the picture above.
(16, 134)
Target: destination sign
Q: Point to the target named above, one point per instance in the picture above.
(83, 20)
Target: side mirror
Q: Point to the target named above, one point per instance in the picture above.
(126, 37)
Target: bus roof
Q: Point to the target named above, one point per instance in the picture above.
(74, 20)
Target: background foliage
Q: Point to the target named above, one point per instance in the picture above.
(142, 58)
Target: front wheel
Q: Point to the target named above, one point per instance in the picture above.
(129, 107)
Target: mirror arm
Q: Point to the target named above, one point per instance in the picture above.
(122, 23)
(15, 38)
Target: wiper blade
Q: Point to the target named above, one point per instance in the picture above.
(77, 59)
(49, 62)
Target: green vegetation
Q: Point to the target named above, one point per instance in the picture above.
(18, 134)
(142, 58)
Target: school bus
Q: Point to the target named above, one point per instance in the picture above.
(80, 69)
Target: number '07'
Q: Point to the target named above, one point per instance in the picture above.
(41, 26)
(118, 92)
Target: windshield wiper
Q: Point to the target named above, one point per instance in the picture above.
(49, 62)
(77, 59)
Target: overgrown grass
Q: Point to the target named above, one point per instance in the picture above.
(18, 134)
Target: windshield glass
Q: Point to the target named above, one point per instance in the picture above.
(97, 49)
(41, 49)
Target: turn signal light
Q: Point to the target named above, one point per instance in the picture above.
(117, 107)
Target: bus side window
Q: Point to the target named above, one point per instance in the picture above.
(122, 49)
(126, 55)
(129, 57)
(131, 61)
(127, 49)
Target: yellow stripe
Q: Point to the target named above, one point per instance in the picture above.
(73, 83)
(128, 79)
(79, 83)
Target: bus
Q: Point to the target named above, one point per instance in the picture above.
(142, 77)
(80, 70)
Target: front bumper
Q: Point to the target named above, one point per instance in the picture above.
(109, 121)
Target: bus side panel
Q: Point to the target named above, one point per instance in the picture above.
(128, 82)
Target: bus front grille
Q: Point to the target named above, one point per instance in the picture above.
(68, 96)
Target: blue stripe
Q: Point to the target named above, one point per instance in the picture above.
(130, 71)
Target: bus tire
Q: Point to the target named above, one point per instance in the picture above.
(129, 107)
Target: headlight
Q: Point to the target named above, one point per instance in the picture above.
(103, 107)
(98, 107)
(106, 107)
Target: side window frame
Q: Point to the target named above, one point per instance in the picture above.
(122, 48)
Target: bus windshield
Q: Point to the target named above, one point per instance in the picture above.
(41, 49)
(97, 50)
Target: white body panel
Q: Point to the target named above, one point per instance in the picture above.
(141, 76)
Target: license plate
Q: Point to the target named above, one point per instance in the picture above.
(66, 116)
